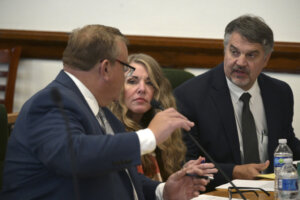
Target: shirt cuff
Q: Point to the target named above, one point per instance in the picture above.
(147, 140)
(159, 191)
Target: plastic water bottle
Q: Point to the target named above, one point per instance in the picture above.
(282, 152)
(288, 181)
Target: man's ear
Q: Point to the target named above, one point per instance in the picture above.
(267, 58)
(104, 69)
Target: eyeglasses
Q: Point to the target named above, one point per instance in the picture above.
(232, 190)
(127, 68)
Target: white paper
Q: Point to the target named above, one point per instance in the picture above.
(266, 185)
(295, 162)
(210, 197)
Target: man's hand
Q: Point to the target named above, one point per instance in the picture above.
(207, 168)
(166, 122)
(249, 171)
(182, 187)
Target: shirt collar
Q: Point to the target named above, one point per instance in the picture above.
(88, 96)
(236, 91)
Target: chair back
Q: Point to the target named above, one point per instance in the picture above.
(177, 76)
(9, 61)
(3, 139)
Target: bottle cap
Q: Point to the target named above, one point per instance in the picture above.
(282, 141)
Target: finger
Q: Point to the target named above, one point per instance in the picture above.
(263, 166)
(171, 112)
(196, 193)
(187, 125)
(200, 160)
(207, 166)
(210, 171)
(200, 181)
(199, 188)
(194, 162)
(189, 163)
(179, 174)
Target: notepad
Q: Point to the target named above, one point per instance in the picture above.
(266, 176)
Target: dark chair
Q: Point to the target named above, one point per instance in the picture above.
(3, 138)
(177, 76)
(9, 61)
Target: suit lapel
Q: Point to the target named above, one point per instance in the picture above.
(63, 79)
(221, 97)
(271, 106)
(115, 124)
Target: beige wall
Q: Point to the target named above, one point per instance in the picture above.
(190, 18)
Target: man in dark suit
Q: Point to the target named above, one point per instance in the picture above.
(212, 101)
(83, 151)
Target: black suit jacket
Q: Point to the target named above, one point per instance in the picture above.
(206, 101)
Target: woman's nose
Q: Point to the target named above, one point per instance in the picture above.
(141, 87)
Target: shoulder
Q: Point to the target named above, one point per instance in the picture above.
(202, 83)
(274, 84)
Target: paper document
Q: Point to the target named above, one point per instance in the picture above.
(266, 185)
(295, 162)
(268, 176)
(209, 197)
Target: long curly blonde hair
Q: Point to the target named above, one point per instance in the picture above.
(171, 153)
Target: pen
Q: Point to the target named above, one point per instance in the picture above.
(197, 176)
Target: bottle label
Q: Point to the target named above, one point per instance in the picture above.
(279, 161)
(288, 184)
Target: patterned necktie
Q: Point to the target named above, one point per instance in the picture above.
(250, 143)
(104, 123)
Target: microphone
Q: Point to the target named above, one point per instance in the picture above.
(56, 97)
(156, 104)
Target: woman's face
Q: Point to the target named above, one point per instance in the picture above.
(138, 92)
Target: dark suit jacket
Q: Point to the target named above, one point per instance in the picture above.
(206, 101)
(38, 163)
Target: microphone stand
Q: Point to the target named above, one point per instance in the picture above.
(56, 96)
(217, 165)
(156, 104)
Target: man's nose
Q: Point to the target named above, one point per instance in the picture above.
(241, 60)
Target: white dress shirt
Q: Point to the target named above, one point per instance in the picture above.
(258, 112)
(146, 137)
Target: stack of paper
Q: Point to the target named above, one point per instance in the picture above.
(209, 197)
(266, 185)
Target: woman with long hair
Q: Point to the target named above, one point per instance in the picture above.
(135, 111)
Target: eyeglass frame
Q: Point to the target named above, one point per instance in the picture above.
(126, 67)
(249, 189)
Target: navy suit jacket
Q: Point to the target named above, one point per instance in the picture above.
(206, 101)
(38, 166)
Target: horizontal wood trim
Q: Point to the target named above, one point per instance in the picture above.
(168, 51)
(12, 117)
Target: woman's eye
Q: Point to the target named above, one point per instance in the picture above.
(131, 81)
(149, 83)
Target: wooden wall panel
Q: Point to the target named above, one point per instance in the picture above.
(168, 51)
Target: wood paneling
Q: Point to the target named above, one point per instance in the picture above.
(168, 51)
